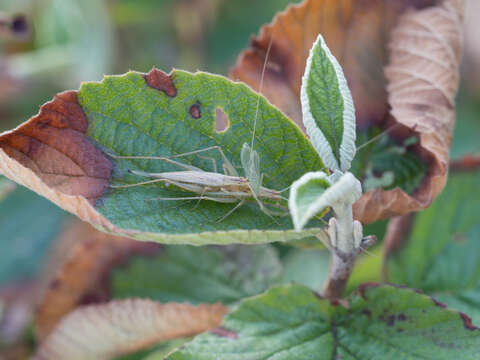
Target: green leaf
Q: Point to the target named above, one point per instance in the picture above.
(327, 107)
(28, 226)
(199, 275)
(381, 322)
(306, 199)
(441, 252)
(127, 117)
(313, 193)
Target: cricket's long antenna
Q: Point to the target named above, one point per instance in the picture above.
(260, 88)
(375, 138)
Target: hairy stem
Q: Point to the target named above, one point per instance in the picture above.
(344, 227)
(347, 245)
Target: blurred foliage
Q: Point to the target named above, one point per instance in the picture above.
(29, 224)
(467, 128)
(442, 257)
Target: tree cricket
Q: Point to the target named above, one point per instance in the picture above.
(214, 186)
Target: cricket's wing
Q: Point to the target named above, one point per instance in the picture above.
(200, 178)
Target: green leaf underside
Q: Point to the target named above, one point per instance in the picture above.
(291, 322)
(326, 101)
(305, 195)
(129, 118)
(387, 165)
(199, 274)
(442, 253)
(308, 193)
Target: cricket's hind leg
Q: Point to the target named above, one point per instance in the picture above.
(227, 166)
(231, 211)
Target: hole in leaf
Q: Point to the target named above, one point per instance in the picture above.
(221, 120)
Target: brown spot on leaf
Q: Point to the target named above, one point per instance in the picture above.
(365, 286)
(367, 312)
(195, 110)
(157, 79)
(467, 322)
(222, 332)
(437, 303)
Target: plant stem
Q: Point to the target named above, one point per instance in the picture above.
(344, 251)
(344, 218)
(338, 275)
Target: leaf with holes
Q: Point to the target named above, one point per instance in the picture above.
(327, 107)
(438, 250)
(379, 322)
(68, 153)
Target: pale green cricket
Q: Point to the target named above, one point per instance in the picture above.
(214, 186)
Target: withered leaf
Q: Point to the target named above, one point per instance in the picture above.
(423, 76)
(358, 33)
(82, 276)
(123, 326)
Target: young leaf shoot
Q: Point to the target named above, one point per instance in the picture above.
(327, 107)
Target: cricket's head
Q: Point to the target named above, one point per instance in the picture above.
(251, 166)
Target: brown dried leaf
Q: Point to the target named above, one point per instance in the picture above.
(123, 326)
(425, 50)
(357, 33)
(51, 155)
(82, 277)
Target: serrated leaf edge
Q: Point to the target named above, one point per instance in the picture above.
(319, 142)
